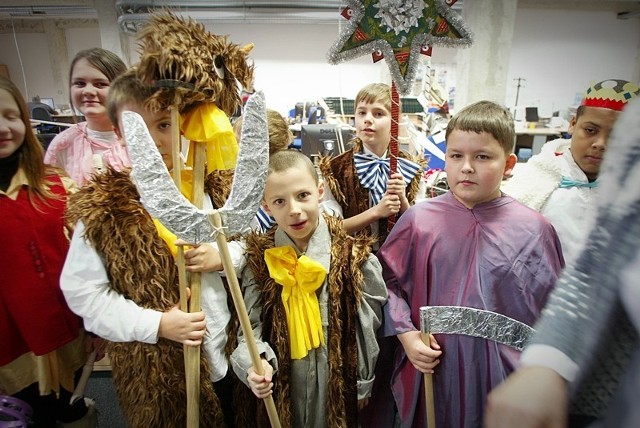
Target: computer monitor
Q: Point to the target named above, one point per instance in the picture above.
(531, 114)
(324, 139)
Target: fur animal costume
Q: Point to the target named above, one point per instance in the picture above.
(345, 290)
(191, 65)
(339, 173)
(218, 186)
(149, 378)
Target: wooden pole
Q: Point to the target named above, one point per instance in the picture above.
(192, 383)
(428, 390)
(241, 309)
(182, 278)
(192, 369)
(176, 147)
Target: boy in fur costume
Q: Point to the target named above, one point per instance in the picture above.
(314, 297)
(561, 181)
(121, 278)
(359, 188)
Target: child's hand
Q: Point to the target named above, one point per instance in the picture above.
(362, 403)
(95, 343)
(261, 385)
(388, 205)
(424, 358)
(182, 327)
(531, 397)
(201, 258)
(396, 186)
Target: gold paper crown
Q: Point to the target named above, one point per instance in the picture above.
(612, 94)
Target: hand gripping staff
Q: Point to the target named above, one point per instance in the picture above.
(164, 201)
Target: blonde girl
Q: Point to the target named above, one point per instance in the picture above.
(90, 146)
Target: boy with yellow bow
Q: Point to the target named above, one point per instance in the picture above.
(314, 297)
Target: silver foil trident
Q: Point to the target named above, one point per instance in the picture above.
(164, 201)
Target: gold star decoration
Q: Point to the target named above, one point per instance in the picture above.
(399, 31)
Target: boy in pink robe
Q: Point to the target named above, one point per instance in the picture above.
(471, 247)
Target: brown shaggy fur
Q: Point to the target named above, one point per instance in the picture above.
(218, 185)
(412, 191)
(345, 291)
(149, 379)
(177, 49)
(339, 174)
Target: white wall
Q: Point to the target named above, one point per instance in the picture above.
(559, 53)
(33, 51)
(291, 64)
(32, 48)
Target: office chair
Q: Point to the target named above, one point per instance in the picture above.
(316, 114)
(38, 112)
(45, 139)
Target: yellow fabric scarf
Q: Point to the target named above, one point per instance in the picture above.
(300, 278)
(186, 188)
(208, 124)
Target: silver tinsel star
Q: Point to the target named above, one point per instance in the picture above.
(400, 30)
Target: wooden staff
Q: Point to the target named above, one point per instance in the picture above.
(192, 369)
(393, 142)
(177, 179)
(191, 354)
(176, 146)
(428, 377)
(241, 309)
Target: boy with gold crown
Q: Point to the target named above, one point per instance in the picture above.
(560, 181)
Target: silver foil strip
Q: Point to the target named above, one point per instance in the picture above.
(251, 170)
(475, 322)
(158, 193)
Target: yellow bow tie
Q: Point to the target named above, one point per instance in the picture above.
(300, 278)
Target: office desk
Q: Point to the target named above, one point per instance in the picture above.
(67, 118)
(534, 138)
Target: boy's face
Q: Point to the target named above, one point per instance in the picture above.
(373, 125)
(475, 166)
(292, 198)
(589, 137)
(159, 124)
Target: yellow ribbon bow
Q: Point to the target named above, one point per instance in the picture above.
(300, 278)
(208, 124)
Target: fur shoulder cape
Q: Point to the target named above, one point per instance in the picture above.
(149, 378)
(345, 282)
(339, 173)
(534, 181)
